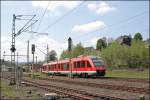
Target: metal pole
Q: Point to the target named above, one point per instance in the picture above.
(17, 76)
(3, 62)
(33, 66)
(28, 54)
(12, 81)
(36, 59)
(69, 49)
(4, 56)
(47, 53)
(36, 63)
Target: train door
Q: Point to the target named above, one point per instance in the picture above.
(78, 67)
(88, 67)
(75, 67)
(83, 69)
(66, 67)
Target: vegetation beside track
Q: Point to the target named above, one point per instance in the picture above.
(128, 73)
(10, 92)
(119, 54)
(125, 73)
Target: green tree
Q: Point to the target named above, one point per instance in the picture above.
(138, 54)
(127, 40)
(100, 44)
(52, 55)
(77, 50)
(138, 36)
(123, 56)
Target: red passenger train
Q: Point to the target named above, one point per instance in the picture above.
(83, 66)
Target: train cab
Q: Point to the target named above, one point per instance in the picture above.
(99, 65)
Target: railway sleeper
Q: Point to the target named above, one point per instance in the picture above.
(135, 90)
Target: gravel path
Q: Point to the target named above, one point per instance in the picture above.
(106, 81)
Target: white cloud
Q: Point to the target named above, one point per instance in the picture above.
(101, 8)
(6, 45)
(55, 6)
(3, 39)
(94, 40)
(89, 27)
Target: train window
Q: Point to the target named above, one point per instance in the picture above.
(78, 64)
(49, 67)
(61, 66)
(65, 66)
(58, 66)
(88, 64)
(75, 64)
(83, 64)
(55, 67)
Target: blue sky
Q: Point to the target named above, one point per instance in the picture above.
(86, 22)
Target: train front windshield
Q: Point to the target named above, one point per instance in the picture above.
(97, 62)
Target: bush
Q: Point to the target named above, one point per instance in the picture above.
(118, 56)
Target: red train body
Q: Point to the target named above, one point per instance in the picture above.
(82, 66)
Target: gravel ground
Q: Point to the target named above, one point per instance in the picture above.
(37, 94)
(123, 94)
(108, 81)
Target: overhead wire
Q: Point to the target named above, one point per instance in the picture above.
(49, 26)
(120, 22)
(112, 25)
(41, 18)
(56, 21)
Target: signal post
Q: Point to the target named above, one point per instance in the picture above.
(69, 49)
(33, 51)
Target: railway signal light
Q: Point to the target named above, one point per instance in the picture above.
(13, 49)
(69, 43)
(33, 48)
(3, 60)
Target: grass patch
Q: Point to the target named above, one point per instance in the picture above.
(128, 73)
(10, 91)
(13, 93)
(36, 74)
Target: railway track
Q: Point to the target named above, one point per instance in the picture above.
(124, 79)
(73, 93)
(117, 79)
(111, 78)
(100, 85)
(76, 94)
(82, 94)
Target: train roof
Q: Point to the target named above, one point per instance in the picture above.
(81, 57)
(63, 61)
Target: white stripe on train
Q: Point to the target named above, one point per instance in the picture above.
(69, 71)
